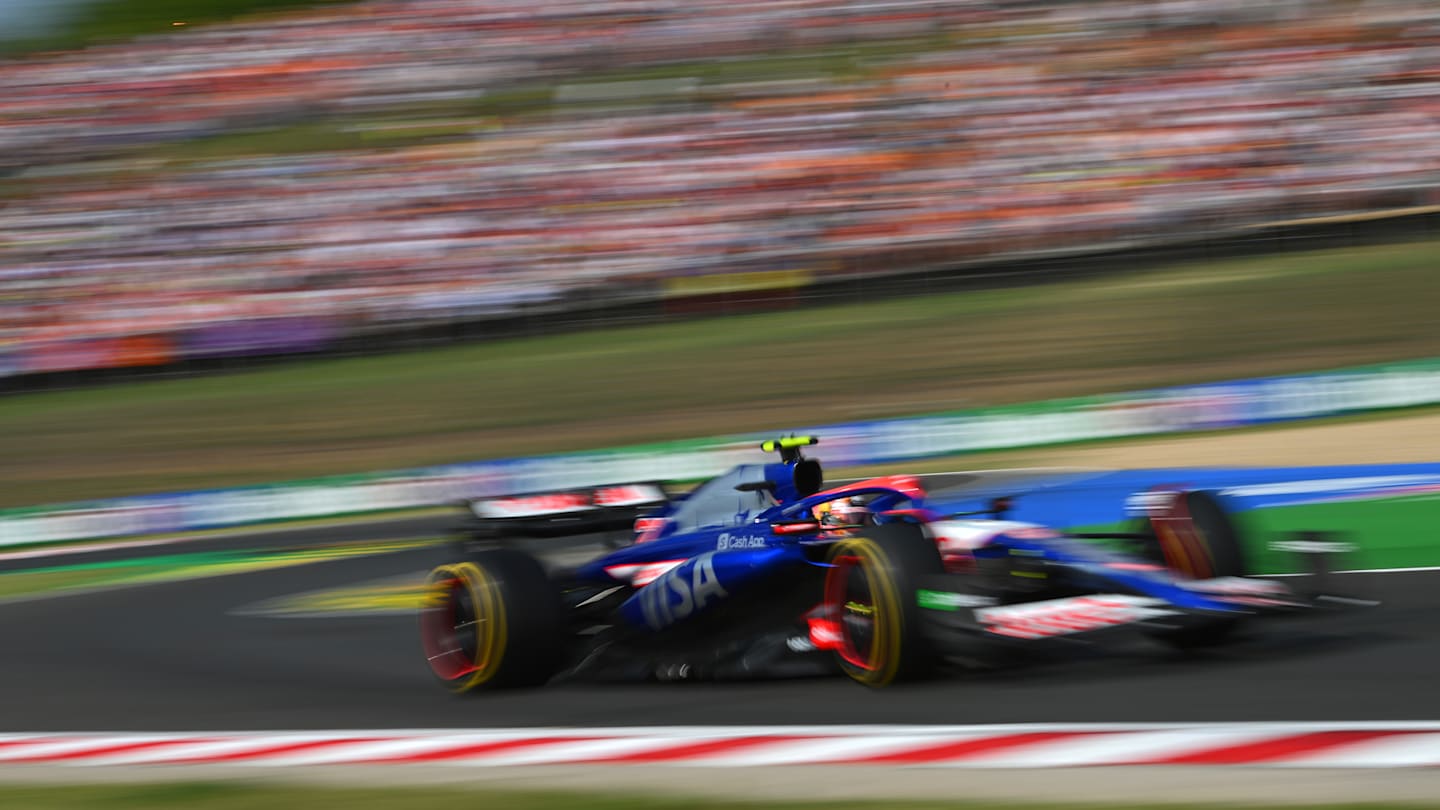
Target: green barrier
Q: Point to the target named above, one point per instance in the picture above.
(1174, 410)
(1381, 533)
(1396, 532)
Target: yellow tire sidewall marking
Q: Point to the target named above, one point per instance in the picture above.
(491, 629)
(885, 645)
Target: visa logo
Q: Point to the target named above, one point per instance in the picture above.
(681, 592)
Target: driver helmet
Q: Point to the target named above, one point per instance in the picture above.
(850, 511)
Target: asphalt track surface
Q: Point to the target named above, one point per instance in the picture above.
(182, 656)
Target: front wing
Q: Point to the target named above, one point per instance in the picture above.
(954, 616)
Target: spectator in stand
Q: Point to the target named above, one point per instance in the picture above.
(1019, 127)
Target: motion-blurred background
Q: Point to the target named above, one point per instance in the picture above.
(186, 188)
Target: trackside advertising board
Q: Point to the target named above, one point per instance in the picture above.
(1182, 409)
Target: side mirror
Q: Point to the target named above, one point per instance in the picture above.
(790, 527)
(756, 486)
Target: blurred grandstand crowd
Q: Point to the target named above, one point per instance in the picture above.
(954, 131)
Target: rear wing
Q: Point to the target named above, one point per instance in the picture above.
(558, 513)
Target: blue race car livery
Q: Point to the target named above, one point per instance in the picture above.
(764, 572)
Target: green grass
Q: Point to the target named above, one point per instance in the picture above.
(762, 372)
(217, 796)
(14, 585)
(107, 20)
(171, 567)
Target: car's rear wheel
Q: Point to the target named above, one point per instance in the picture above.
(492, 621)
(870, 600)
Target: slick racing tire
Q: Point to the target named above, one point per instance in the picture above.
(870, 600)
(1196, 538)
(492, 621)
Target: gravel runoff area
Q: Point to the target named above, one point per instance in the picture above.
(1382, 440)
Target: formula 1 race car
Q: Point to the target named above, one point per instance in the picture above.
(763, 572)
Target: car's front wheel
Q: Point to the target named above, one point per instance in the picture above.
(870, 600)
(1196, 537)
